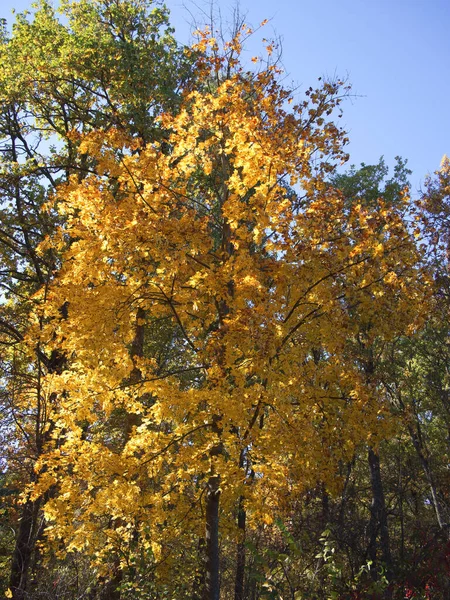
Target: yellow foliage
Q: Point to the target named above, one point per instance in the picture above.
(250, 276)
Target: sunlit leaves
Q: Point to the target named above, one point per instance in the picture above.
(228, 234)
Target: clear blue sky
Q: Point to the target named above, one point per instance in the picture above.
(395, 53)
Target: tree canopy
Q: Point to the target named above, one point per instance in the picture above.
(217, 350)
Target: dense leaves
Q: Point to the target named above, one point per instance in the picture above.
(218, 371)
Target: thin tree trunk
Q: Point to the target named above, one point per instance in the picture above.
(378, 519)
(23, 551)
(401, 515)
(111, 590)
(421, 449)
(212, 580)
(29, 528)
(325, 506)
(240, 562)
(418, 445)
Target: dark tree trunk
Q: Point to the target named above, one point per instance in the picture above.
(212, 580)
(29, 528)
(378, 519)
(325, 506)
(240, 558)
(23, 551)
(111, 589)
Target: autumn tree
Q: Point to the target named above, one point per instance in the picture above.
(227, 235)
(103, 64)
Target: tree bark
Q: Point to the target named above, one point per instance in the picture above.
(23, 551)
(29, 528)
(240, 559)
(378, 519)
(212, 578)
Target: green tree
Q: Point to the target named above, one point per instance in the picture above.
(368, 183)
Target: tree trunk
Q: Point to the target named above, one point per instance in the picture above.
(29, 528)
(111, 588)
(212, 581)
(23, 551)
(378, 519)
(419, 447)
(240, 562)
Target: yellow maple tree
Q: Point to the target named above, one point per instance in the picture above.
(211, 284)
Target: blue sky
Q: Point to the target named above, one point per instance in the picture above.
(395, 53)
